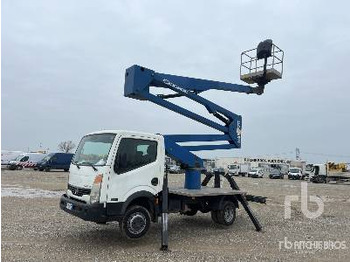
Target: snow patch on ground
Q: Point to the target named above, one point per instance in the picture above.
(18, 191)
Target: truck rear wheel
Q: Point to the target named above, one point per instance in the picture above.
(214, 216)
(227, 215)
(136, 222)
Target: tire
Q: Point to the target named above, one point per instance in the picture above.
(227, 215)
(214, 216)
(41, 169)
(136, 222)
(47, 169)
(66, 170)
(19, 167)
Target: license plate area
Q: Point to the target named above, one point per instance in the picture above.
(69, 206)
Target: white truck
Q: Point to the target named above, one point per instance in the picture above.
(239, 169)
(118, 176)
(324, 173)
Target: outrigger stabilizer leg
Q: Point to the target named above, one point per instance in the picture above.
(165, 211)
(241, 198)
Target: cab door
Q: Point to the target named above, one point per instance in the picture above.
(138, 166)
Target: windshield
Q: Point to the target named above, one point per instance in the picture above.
(93, 150)
(22, 158)
(294, 170)
(47, 157)
(18, 158)
(308, 168)
(253, 170)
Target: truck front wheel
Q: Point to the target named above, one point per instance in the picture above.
(135, 222)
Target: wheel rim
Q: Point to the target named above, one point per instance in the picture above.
(136, 223)
(228, 214)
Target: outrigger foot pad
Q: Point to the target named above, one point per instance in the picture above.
(164, 248)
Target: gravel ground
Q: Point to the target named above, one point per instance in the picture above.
(35, 229)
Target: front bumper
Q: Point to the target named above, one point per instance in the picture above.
(275, 176)
(295, 177)
(87, 212)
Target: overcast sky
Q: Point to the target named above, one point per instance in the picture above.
(63, 65)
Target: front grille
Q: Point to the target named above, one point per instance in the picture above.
(78, 191)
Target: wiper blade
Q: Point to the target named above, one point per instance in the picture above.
(89, 164)
(75, 163)
(93, 167)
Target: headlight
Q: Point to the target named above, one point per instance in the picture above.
(96, 189)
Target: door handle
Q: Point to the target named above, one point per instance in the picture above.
(154, 181)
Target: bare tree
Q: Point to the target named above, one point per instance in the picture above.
(66, 146)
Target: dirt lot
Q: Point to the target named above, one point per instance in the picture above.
(35, 229)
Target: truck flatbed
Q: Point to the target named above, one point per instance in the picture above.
(204, 191)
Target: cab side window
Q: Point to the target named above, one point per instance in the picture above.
(134, 153)
(24, 159)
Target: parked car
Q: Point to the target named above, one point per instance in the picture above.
(174, 169)
(256, 172)
(295, 173)
(25, 160)
(55, 161)
(276, 173)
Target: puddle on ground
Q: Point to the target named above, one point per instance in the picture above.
(17, 191)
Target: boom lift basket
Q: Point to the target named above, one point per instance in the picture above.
(262, 64)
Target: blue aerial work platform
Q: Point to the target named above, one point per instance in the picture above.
(259, 65)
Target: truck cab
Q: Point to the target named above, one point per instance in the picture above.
(295, 173)
(319, 173)
(112, 170)
(233, 169)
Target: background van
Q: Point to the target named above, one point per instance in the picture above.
(28, 160)
(55, 161)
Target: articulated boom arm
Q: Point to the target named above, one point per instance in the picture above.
(138, 81)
